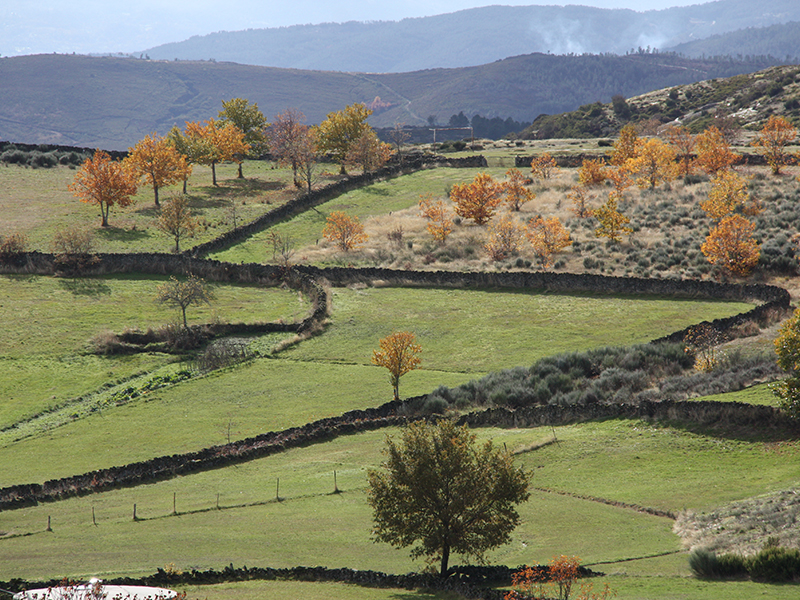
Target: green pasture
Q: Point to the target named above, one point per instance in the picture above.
(464, 334)
(37, 202)
(380, 198)
(311, 525)
(626, 588)
(49, 322)
(477, 331)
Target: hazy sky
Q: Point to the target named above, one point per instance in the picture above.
(87, 26)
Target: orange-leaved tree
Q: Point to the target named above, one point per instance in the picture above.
(773, 138)
(345, 231)
(554, 581)
(158, 162)
(580, 201)
(215, 143)
(626, 147)
(439, 224)
(654, 164)
(547, 236)
(516, 194)
(105, 182)
(731, 246)
(683, 142)
(612, 222)
(728, 191)
(592, 172)
(713, 151)
(504, 238)
(368, 152)
(543, 167)
(399, 353)
(478, 199)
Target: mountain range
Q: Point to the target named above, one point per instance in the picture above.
(477, 36)
(112, 103)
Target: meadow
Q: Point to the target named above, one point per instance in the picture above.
(283, 511)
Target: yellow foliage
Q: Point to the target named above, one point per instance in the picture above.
(612, 223)
(580, 198)
(158, 161)
(398, 353)
(543, 167)
(654, 164)
(504, 238)
(626, 147)
(728, 191)
(547, 236)
(592, 172)
(773, 138)
(439, 224)
(345, 231)
(731, 245)
(515, 191)
(683, 142)
(478, 199)
(713, 151)
(340, 130)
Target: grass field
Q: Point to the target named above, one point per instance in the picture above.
(45, 371)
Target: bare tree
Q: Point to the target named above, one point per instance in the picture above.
(183, 294)
(176, 220)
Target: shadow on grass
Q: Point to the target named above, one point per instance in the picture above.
(86, 287)
(119, 234)
(375, 191)
(242, 188)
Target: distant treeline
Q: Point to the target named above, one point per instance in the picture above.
(482, 127)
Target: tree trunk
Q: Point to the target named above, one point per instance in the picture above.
(104, 215)
(445, 559)
(155, 193)
(213, 173)
(241, 175)
(185, 324)
(185, 182)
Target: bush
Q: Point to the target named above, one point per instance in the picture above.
(774, 564)
(12, 247)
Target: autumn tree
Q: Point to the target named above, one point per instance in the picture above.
(368, 152)
(626, 147)
(477, 200)
(182, 294)
(306, 158)
(613, 224)
(439, 223)
(187, 147)
(555, 581)
(772, 140)
(250, 121)
(515, 191)
(399, 136)
(592, 172)
(728, 191)
(713, 151)
(158, 162)
(543, 167)
(787, 347)
(399, 353)
(286, 136)
(683, 142)
(176, 220)
(441, 493)
(731, 246)
(340, 130)
(504, 237)
(345, 231)
(580, 202)
(548, 237)
(105, 183)
(216, 142)
(654, 163)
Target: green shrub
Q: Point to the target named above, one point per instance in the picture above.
(775, 564)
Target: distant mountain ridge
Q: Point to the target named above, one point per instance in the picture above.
(112, 103)
(780, 41)
(477, 36)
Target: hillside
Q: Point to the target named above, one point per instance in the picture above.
(113, 102)
(748, 99)
(777, 40)
(476, 36)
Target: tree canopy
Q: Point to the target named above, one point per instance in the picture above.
(340, 130)
(440, 490)
(105, 182)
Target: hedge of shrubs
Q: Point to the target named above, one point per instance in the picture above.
(772, 564)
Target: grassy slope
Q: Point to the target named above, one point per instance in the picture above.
(311, 526)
